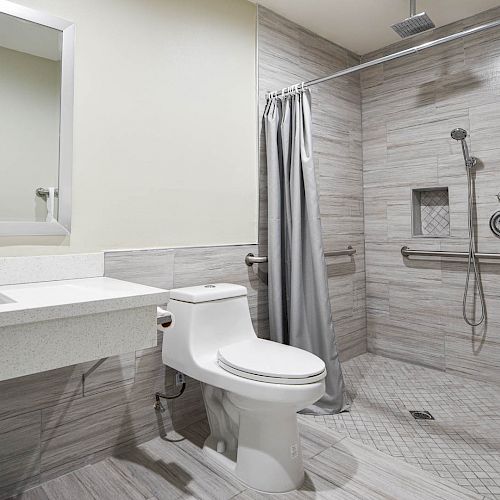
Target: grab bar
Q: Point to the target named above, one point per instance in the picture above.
(407, 252)
(252, 259)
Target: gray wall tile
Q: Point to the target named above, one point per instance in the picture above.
(288, 54)
(197, 266)
(146, 267)
(414, 307)
(19, 451)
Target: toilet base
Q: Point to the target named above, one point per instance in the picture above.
(267, 454)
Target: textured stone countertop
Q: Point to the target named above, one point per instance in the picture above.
(34, 302)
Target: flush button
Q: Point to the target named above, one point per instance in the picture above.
(209, 286)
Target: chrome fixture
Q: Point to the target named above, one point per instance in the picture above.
(416, 23)
(495, 223)
(44, 192)
(408, 252)
(390, 57)
(252, 259)
(459, 134)
(164, 320)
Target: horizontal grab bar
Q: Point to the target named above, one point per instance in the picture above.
(407, 252)
(252, 259)
(336, 253)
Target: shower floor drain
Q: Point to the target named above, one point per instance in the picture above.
(421, 415)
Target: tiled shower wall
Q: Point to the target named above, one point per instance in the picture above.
(410, 105)
(55, 422)
(289, 54)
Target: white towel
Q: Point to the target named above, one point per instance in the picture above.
(51, 202)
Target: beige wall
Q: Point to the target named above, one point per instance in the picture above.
(165, 142)
(29, 131)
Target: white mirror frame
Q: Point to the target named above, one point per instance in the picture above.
(63, 224)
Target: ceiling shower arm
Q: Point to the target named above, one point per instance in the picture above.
(390, 57)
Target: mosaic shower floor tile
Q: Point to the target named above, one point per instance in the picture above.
(461, 444)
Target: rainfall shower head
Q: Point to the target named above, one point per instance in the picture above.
(416, 23)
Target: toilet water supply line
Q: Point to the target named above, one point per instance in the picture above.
(164, 320)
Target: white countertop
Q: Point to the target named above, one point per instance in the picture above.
(34, 302)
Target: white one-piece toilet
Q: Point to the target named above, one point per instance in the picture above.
(252, 388)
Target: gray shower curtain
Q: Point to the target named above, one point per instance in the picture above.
(299, 304)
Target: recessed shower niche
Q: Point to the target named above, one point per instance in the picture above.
(430, 212)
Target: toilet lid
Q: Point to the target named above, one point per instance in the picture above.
(269, 361)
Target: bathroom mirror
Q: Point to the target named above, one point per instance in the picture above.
(36, 126)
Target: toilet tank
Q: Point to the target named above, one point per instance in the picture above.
(206, 317)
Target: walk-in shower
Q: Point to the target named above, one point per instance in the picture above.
(459, 134)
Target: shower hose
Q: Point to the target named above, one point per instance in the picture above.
(472, 265)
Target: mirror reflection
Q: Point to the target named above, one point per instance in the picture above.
(30, 95)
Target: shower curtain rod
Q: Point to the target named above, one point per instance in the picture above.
(390, 57)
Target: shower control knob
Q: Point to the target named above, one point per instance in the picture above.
(495, 223)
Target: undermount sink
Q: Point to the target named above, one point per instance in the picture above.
(5, 300)
(52, 324)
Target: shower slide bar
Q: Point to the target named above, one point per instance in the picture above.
(390, 57)
(407, 252)
(252, 259)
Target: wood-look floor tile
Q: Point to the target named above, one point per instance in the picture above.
(314, 440)
(198, 479)
(314, 487)
(34, 494)
(363, 471)
(105, 481)
(163, 481)
(67, 487)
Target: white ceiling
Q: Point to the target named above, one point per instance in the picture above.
(364, 25)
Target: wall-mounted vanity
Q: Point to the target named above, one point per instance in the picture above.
(36, 99)
(58, 311)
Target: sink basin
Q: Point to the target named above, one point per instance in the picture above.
(5, 300)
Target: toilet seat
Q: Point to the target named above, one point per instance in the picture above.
(267, 361)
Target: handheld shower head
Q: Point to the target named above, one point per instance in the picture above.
(459, 134)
